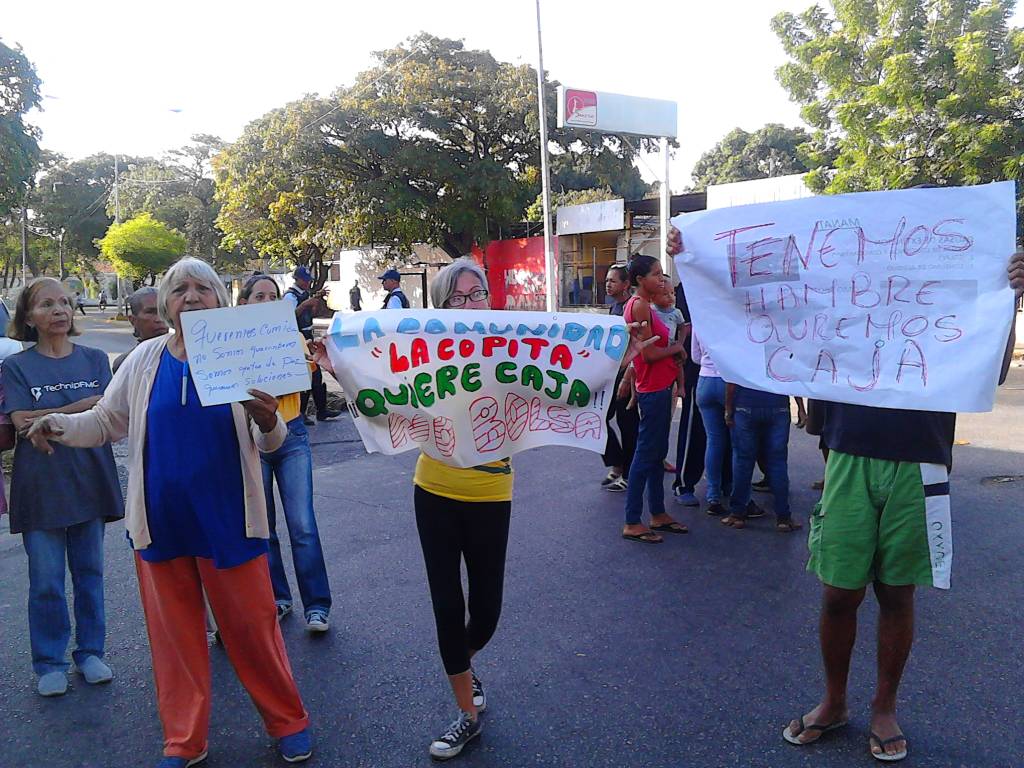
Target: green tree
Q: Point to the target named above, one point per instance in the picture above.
(905, 92)
(69, 205)
(41, 253)
(142, 248)
(180, 192)
(773, 150)
(436, 143)
(19, 145)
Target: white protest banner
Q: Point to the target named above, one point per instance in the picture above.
(470, 387)
(893, 299)
(235, 349)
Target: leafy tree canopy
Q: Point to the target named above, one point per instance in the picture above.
(70, 202)
(179, 191)
(905, 92)
(773, 150)
(436, 143)
(141, 248)
(19, 145)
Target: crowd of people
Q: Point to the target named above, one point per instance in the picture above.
(724, 428)
(199, 511)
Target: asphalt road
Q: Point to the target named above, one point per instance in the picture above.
(692, 653)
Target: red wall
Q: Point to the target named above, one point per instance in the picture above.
(515, 272)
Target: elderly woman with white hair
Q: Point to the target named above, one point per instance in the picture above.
(196, 516)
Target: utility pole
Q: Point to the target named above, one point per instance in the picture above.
(24, 246)
(549, 252)
(666, 208)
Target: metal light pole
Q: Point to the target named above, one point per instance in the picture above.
(666, 208)
(549, 253)
(121, 314)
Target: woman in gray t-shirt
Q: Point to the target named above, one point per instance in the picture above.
(60, 502)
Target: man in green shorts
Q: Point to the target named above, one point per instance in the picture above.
(883, 520)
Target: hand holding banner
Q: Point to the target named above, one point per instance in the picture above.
(892, 299)
(234, 349)
(470, 387)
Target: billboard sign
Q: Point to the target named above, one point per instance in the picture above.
(605, 216)
(616, 113)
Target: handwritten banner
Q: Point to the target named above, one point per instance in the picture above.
(470, 387)
(892, 299)
(235, 349)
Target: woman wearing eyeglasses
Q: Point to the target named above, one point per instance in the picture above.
(463, 515)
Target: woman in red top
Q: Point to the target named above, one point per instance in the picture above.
(656, 370)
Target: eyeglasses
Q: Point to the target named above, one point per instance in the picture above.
(458, 299)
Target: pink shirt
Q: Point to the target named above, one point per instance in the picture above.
(656, 376)
(702, 357)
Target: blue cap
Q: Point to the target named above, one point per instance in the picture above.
(391, 274)
(302, 274)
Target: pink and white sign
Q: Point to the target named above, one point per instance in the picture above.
(468, 387)
(891, 299)
(580, 108)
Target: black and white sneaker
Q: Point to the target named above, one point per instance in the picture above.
(754, 511)
(479, 697)
(610, 478)
(715, 509)
(459, 733)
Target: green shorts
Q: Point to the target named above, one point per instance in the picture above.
(880, 520)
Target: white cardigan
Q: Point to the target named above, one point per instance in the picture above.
(122, 411)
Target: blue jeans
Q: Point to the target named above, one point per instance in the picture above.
(49, 627)
(648, 470)
(761, 432)
(711, 402)
(292, 465)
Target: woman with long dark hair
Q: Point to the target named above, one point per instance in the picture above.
(656, 372)
(292, 465)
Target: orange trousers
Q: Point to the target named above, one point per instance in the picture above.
(243, 602)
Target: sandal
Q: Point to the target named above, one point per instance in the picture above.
(733, 522)
(647, 537)
(821, 728)
(876, 740)
(788, 526)
(672, 527)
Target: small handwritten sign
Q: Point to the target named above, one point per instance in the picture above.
(235, 349)
(893, 299)
(469, 387)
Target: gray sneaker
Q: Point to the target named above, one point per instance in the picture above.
(95, 671)
(479, 697)
(459, 733)
(52, 684)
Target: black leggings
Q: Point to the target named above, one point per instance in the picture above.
(450, 531)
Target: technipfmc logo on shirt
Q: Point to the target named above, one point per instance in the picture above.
(37, 392)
